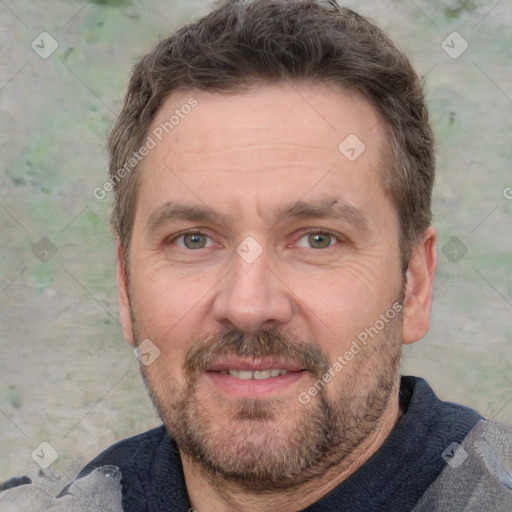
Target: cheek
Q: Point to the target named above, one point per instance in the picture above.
(160, 317)
(162, 297)
(337, 309)
(348, 297)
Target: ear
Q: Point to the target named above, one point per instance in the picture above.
(420, 288)
(122, 294)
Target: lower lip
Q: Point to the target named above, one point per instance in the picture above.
(254, 387)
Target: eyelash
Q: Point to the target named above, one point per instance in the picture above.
(304, 233)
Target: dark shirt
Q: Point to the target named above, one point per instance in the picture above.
(392, 480)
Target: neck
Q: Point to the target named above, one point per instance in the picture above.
(207, 493)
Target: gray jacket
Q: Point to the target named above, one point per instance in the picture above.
(478, 474)
(98, 492)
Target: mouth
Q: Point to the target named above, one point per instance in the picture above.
(253, 378)
(256, 374)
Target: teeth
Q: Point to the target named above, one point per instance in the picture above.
(261, 374)
(243, 374)
(256, 375)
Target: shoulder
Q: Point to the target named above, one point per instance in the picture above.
(122, 453)
(477, 475)
(99, 489)
(117, 464)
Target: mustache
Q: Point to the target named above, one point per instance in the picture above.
(268, 343)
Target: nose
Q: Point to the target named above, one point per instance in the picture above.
(252, 296)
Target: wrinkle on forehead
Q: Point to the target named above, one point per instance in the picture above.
(317, 118)
(256, 158)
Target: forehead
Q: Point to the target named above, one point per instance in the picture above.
(268, 147)
(268, 117)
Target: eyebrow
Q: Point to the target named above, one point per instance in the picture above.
(325, 208)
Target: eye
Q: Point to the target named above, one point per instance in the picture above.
(319, 240)
(194, 240)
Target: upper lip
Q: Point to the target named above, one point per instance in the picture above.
(252, 365)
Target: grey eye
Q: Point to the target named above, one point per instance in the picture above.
(193, 241)
(318, 240)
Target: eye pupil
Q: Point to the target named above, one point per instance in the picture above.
(323, 239)
(195, 240)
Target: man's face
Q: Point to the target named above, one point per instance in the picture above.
(258, 245)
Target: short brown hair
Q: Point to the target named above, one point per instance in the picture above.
(242, 43)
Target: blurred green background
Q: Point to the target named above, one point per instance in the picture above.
(66, 375)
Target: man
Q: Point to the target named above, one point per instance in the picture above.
(273, 168)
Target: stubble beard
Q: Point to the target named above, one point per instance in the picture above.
(265, 445)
